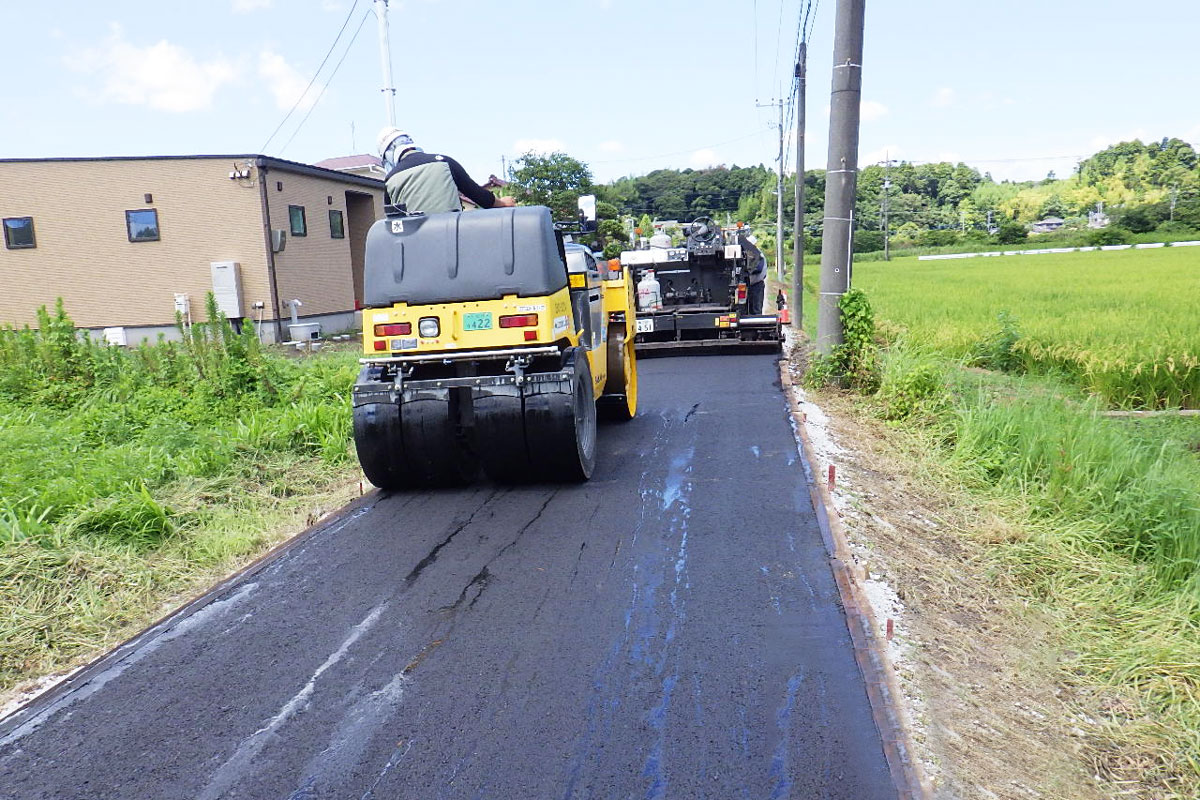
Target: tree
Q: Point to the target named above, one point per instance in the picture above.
(555, 180)
(1011, 232)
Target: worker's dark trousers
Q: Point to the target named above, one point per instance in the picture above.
(756, 293)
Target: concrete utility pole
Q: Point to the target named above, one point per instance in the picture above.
(778, 195)
(797, 298)
(841, 175)
(887, 186)
(385, 55)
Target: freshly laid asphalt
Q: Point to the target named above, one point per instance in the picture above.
(670, 629)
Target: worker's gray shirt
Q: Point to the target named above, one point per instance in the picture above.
(431, 184)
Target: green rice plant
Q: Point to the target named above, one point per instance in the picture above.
(1068, 463)
(1120, 324)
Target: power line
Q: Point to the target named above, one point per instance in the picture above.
(345, 53)
(304, 94)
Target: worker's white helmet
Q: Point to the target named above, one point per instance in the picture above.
(396, 140)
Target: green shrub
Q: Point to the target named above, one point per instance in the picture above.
(937, 238)
(913, 383)
(996, 350)
(855, 362)
(1111, 235)
(1011, 232)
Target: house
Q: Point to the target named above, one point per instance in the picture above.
(126, 241)
(365, 164)
(1046, 225)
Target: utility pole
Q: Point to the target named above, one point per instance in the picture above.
(797, 299)
(887, 186)
(841, 175)
(1174, 195)
(385, 55)
(778, 195)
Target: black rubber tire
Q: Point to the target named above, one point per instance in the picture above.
(411, 445)
(379, 444)
(434, 453)
(560, 427)
(500, 437)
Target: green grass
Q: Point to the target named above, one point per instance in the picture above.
(1110, 507)
(1121, 324)
(131, 476)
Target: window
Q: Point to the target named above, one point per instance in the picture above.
(299, 223)
(142, 225)
(18, 233)
(337, 228)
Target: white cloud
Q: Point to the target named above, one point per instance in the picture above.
(539, 146)
(246, 6)
(331, 5)
(611, 146)
(162, 76)
(943, 98)
(703, 158)
(283, 80)
(950, 156)
(872, 110)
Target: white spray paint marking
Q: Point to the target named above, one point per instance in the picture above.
(755, 450)
(230, 773)
(138, 650)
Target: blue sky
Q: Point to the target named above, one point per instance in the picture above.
(1017, 88)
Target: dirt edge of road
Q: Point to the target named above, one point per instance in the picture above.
(883, 690)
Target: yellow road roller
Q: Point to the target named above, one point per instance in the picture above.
(490, 344)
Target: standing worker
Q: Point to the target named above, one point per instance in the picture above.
(426, 182)
(756, 291)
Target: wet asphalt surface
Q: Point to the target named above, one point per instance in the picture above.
(670, 629)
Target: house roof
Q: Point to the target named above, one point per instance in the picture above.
(495, 183)
(350, 162)
(267, 162)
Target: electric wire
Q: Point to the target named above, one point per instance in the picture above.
(333, 74)
(304, 94)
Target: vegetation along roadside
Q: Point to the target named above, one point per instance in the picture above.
(1101, 515)
(133, 477)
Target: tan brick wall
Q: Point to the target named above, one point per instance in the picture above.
(84, 255)
(83, 251)
(315, 269)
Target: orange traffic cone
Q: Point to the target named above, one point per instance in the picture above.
(785, 316)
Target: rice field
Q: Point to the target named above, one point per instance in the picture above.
(1124, 325)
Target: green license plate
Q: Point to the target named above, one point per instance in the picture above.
(477, 321)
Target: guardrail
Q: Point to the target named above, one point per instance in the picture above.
(1043, 251)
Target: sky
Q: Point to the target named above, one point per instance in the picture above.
(1017, 89)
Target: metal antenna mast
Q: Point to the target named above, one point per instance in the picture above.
(385, 55)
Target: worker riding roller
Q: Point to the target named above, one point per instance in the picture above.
(490, 344)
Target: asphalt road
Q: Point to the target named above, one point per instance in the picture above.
(669, 629)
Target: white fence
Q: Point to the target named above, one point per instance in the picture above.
(1059, 250)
